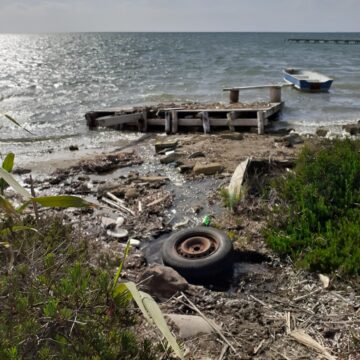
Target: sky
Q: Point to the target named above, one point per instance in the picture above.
(24, 16)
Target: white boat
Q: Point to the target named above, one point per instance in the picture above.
(306, 80)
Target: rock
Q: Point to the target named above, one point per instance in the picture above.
(108, 223)
(135, 261)
(120, 221)
(131, 193)
(162, 282)
(208, 169)
(83, 178)
(322, 131)
(152, 179)
(169, 157)
(167, 144)
(352, 129)
(121, 234)
(185, 168)
(325, 280)
(290, 140)
(135, 242)
(21, 171)
(232, 136)
(73, 148)
(196, 154)
(280, 131)
(189, 326)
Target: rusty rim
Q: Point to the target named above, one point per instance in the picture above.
(197, 247)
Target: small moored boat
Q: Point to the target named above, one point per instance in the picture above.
(306, 80)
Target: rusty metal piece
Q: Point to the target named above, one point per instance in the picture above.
(197, 247)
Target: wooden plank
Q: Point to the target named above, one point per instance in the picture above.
(252, 87)
(156, 122)
(215, 122)
(113, 120)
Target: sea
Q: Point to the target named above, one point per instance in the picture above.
(49, 81)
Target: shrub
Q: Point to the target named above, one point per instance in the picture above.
(54, 304)
(317, 217)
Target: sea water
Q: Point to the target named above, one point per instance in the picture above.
(49, 81)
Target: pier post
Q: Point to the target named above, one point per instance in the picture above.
(206, 122)
(145, 122)
(175, 124)
(261, 122)
(275, 94)
(234, 96)
(167, 122)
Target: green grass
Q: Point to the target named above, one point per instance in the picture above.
(317, 217)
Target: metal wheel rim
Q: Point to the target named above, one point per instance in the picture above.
(197, 247)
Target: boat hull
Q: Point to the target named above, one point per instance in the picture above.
(308, 85)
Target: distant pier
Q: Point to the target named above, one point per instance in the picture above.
(324, 41)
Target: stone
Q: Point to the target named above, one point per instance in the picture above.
(232, 136)
(152, 179)
(322, 131)
(352, 129)
(131, 193)
(185, 168)
(120, 234)
(196, 154)
(189, 326)
(167, 144)
(162, 282)
(169, 157)
(108, 223)
(120, 221)
(135, 242)
(290, 140)
(73, 148)
(208, 169)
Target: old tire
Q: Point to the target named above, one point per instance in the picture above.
(199, 252)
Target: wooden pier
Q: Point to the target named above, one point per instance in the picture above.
(203, 117)
(324, 41)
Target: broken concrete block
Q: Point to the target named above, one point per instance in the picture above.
(166, 144)
(208, 169)
(189, 326)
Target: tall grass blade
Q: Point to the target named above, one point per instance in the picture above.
(153, 314)
(8, 162)
(17, 228)
(14, 184)
(16, 123)
(8, 165)
(119, 270)
(7, 207)
(62, 201)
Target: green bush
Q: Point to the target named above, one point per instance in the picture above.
(317, 217)
(54, 304)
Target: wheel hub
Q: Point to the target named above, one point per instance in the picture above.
(196, 247)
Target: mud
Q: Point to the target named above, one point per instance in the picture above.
(253, 301)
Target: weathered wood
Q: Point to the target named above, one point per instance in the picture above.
(275, 94)
(174, 119)
(205, 122)
(113, 120)
(145, 121)
(261, 122)
(230, 117)
(168, 122)
(234, 95)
